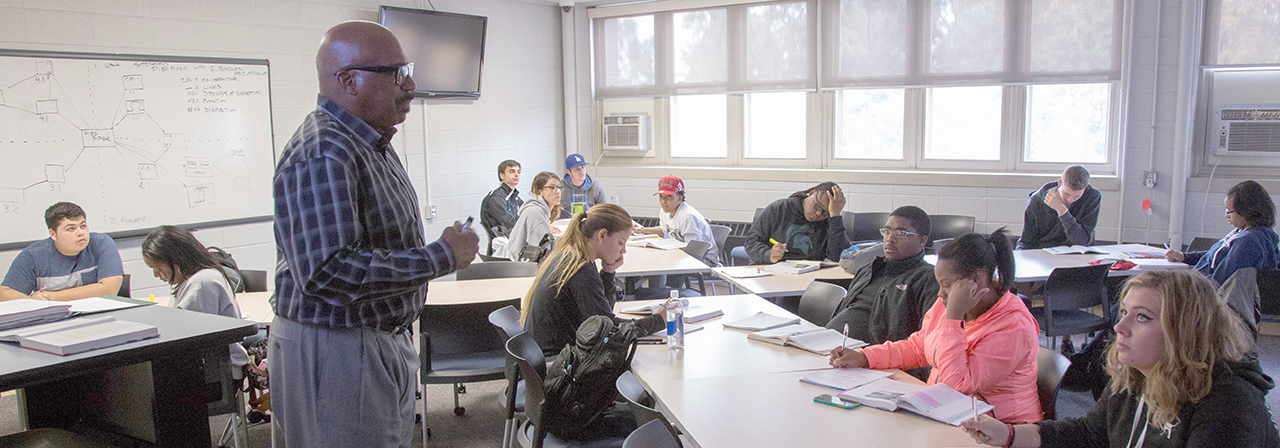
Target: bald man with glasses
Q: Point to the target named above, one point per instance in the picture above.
(357, 264)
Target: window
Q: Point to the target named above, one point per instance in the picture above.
(699, 126)
(1242, 32)
(990, 85)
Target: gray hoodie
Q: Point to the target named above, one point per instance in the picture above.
(589, 194)
(533, 223)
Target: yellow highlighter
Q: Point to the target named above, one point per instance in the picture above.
(153, 298)
(773, 241)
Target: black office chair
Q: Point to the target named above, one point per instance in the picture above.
(720, 233)
(1067, 292)
(507, 322)
(498, 269)
(1199, 244)
(642, 404)
(819, 301)
(456, 348)
(698, 250)
(944, 227)
(124, 287)
(864, 226)
(533, 368)
(1051, 367)
(254, 280)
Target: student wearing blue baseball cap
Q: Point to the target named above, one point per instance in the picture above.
(580, 193)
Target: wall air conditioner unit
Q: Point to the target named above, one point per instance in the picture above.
(1248, 129)
(627, 132)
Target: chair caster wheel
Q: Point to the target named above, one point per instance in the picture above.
(256, 416)
(459, 410)
(417, 418)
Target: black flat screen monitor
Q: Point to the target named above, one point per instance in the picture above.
(447, 49)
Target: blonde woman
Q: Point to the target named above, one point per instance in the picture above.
(1180, 377)
(569, 289)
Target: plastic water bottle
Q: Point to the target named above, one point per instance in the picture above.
(675, 322)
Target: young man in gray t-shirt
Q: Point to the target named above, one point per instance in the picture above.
(72, 264)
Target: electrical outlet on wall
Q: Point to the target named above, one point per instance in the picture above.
(432, 210)
(615, 199)
(1149, 179)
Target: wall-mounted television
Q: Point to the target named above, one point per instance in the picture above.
(447, 49)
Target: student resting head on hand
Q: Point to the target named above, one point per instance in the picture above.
(806, 225)
(978, 337)
(1180, 366)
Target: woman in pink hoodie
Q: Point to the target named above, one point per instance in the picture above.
(978, 337)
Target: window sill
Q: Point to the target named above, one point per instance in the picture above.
(886, 177)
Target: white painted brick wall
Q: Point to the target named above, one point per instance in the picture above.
(519, 115)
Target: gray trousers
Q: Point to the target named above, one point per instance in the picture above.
(349, 387)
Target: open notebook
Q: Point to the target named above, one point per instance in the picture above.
(939, 401)
(806, 336)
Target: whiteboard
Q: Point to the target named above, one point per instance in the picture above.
(137, 141)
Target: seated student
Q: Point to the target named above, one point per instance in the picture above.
(679, 220)
(1180, 364)
(978, 337)
(581, 192)
(1252, 244)
(1061, 213)
(888, 298)
(501, 207)
(569, 289)
(806, 225)
(199, 282)
(536, 215)
(72, 264)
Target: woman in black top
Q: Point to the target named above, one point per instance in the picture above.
(1180, 374)
(569, 289)
(806, 225)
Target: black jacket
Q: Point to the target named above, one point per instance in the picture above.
(1042, 227)
(904, 290)
(555, 313)
(500, 209)
(784, 221)
(1234, 414)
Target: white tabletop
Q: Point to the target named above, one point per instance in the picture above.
(782, 285)
(777, 410)
(717, 351)
(440, 292)
(1034, 265)
(641, 261)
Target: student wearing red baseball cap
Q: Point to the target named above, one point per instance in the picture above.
(679, 220)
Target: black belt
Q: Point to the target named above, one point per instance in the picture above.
(396, 328)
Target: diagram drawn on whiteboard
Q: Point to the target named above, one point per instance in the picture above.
(136, 143)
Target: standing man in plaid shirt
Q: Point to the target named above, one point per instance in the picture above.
(347, 221)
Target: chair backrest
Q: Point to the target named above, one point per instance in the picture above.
(1076, 287)
(125, 291)
(1269, 290)
(498, 269)
(507, 321)
(943, 227)
(757, 215)
(1052, 366)
(454, 329)
(533, 367)
(651, 435)
(939, 244)
(1200, 244)
(254, 280)
(720, 233)
(865, 226)
(819, 301)
(490, 258)
(639, 399)
(697, 249)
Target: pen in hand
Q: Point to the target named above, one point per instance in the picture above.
(845, 343)
(975, 407)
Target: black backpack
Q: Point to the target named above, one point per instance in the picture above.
(580, 383)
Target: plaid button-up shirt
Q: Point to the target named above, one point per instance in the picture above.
(348, 226)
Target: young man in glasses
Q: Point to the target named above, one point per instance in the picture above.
(888, 297)
(1061, 213)
(357, 262)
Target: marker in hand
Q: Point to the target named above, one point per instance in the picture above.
(466, 226)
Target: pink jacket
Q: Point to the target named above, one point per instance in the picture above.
(992, 358)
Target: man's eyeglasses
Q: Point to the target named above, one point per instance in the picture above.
(887, 232)
(402, 71)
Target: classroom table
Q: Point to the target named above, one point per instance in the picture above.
(1035, 265)
(153, 389)
(724, 390)
(642, 261)
(782, 285)
(255, 307)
